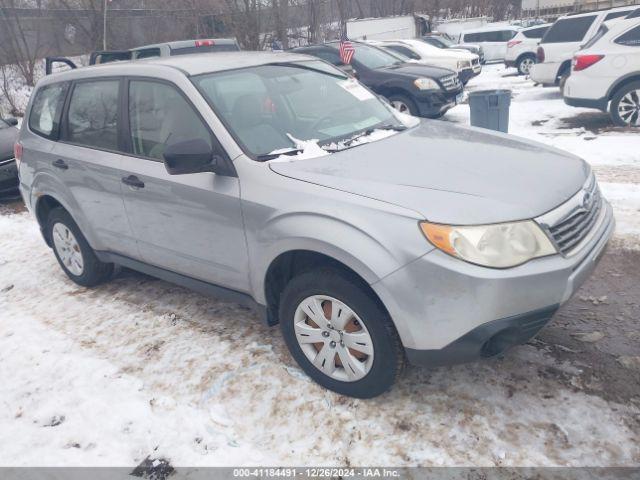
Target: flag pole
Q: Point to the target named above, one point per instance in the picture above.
(104, 25)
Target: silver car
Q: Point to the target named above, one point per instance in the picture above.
(276, 181)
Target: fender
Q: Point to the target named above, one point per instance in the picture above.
(349, 244)
(629, 77)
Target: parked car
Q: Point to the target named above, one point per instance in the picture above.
(522, 49)
(466, 64)
(166, 49)
(606, 73)
(368, 235)
(419, 90)
(563, 39)
(492, 39)
(8, 170)
(443, 41)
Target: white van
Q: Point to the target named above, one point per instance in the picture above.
(493, 40)
(566, 37)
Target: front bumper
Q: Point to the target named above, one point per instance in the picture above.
(449, 311)
(433, 103)
(8, 177)
(466, 75)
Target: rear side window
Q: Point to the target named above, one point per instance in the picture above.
(569, 30)
(613, 15)
(147, 53)
(159, 115)
(93, 114)
(47, 107)
(230, 47)
(535, 32)
(630, 38)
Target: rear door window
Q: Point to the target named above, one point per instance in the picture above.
(93, 114)
(569, 30)
(160, 115)
(46, 110)
(630, 38)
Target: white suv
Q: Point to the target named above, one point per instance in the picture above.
(606, 73)
(564, 38)
(521, 51)
(465, 63)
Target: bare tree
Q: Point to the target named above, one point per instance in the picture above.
(23, 42)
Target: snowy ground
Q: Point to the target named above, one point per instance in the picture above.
(139, 367)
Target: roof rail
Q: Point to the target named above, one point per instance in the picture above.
(50, 61)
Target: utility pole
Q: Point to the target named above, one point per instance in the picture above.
(104, 25)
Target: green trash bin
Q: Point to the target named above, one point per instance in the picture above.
(490, 109)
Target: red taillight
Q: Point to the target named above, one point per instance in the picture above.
(581, 62)
(540, 55)
(205, 43)
(17, 152)
(513, 43)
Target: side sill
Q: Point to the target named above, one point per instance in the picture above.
(205, 288)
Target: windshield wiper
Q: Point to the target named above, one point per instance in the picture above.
(272, 156)
(345, 144)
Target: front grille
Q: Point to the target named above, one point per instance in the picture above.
(450, 82)
(576, 219)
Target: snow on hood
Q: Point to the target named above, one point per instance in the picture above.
(312, 149)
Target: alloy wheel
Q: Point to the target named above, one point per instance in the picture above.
(333, 338)
(400, 106)
(68, 249)
(526, 64)
(629, 108)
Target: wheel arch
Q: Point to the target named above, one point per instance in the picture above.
(564, 67)
(292, 263)
(621, 83)
(44, 205)
(524, 55)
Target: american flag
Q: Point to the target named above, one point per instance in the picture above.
(346, 48)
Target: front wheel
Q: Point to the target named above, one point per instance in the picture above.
(625, 106)
(340, 336)
(404, 104)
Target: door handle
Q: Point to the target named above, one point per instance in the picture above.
(133, 181)
(61, 164)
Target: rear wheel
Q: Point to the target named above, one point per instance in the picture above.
(625, 106)
(75, 256)
(563, 81)
(340, 336)
(525, 64)
(404, 104)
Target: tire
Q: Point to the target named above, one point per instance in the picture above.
(75, 256)
(372, 373)
(525, 63)
(404, 104)
(625, 106)
(562, 82)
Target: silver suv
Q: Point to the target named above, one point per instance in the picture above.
(275, 180)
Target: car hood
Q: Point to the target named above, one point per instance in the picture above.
(450, 174)
(416, 70)
(7, 138)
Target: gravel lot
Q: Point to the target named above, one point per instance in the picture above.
(140, 368)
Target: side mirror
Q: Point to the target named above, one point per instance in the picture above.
(193, 156)
(11, 121)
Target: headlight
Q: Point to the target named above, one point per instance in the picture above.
(502, 245)
(463, 64)
(426, 84)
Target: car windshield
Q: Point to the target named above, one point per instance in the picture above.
(374, 58)
(274, 108)
(445, 41)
